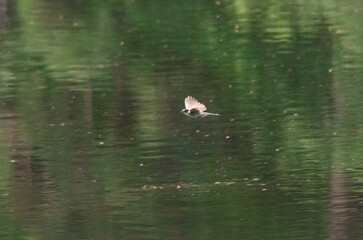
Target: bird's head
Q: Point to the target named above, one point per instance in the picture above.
(185, 111)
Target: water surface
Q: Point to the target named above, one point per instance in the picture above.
(93, 146)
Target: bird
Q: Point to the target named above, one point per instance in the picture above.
(195, 109)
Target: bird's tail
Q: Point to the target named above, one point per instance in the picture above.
(209, 114)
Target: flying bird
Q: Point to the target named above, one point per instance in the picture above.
(195, 109)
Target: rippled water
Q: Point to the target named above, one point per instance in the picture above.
(93, 146)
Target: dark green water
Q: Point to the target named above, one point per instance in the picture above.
(93, 146)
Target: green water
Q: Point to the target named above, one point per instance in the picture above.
(93, 146)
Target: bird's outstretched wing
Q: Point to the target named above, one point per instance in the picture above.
(191, 103)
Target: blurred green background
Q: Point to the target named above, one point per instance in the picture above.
(93, 146)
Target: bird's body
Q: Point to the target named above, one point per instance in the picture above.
(195, 109)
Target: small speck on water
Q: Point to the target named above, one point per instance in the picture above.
(330, 70)
(101, 143)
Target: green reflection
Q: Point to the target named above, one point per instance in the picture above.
(93, 144)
